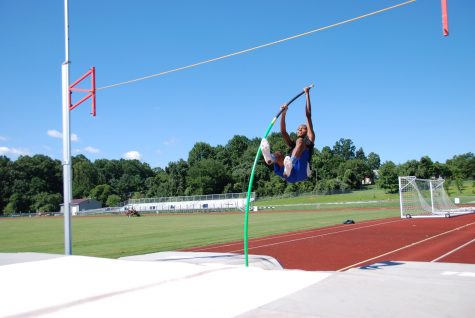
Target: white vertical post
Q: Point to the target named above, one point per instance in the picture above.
(431, 196)
(400, 196)
(67, 184)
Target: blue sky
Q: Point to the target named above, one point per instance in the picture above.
(392, 82)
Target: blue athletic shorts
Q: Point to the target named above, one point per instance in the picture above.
(299, 170)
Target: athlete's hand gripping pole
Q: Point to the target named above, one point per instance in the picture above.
(293, 99)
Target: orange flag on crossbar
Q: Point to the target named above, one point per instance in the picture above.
(445, 18)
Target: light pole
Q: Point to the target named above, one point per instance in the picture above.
(67, 171)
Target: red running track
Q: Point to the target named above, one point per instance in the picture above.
(344, 246)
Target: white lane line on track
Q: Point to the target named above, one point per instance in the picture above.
(278, 236)
(315, 236)
(404, 247)
(452, 251)
(461, 274)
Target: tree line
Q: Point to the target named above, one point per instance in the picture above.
(35, 183)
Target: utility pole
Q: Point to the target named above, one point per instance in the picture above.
(67, 171)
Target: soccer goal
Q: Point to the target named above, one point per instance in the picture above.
(427, 198)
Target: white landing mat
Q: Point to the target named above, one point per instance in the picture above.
(79, 286)
(261, 261)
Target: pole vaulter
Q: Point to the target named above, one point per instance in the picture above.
(249, 189)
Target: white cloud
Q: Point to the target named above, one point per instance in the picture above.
(91, 149)
(170, 142)
(56, 134)
(2, 138)
(131, 155)
(87, 149)
(13, 151)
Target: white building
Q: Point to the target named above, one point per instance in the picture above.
(82, 205)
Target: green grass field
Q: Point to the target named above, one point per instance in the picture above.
(370, 193)
(116, 236)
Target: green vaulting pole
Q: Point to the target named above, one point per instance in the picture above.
(251, 180)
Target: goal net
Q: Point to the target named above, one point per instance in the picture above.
(426, 198)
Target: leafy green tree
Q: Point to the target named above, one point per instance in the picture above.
(331, 185)
(448, 185)
(409, 168)
(84, 176)
(425, 169)
(276, 142)
(462, 166)
(47, 202)
(374, 161)
(177, 177)
(272, 187)
(113, 200)
(200, 151)
(29, 176)
(345, 149)
(353, 172)
(307, 185)
(17, 203)
(132, 178)
(240, 175)
(21, 185)
(101, 193)
(35, 182)
(9, 209)
(327, 164)
(137, 195)
(129, 184)
(158, 185)
(262, 175)
(108, 170)
(6, 181)
(360, 155)
(388, 177)
(207, 176)
(441, 170)
(234, 150)
(37, 185)
(459, 185)
(36, 174)
(222, 154)
(240, 170)
(136, 168)
(291, 188)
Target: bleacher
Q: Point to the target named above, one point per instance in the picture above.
(180, 204)
(196, 203)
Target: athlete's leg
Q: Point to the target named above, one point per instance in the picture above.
(299, 148)
(265, 148)
(278, 158)
(287, 166)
